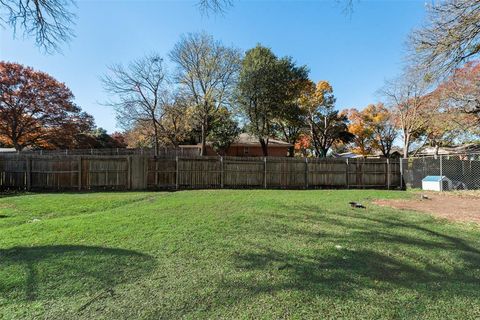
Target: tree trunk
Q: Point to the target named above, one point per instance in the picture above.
(406, 145)
(204, 143)
(264, 147)
(437, 147)
(155, 143)
(323, 152)
(291, 151)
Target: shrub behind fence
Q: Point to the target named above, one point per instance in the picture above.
(140, 172)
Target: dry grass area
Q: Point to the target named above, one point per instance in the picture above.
(463, 206)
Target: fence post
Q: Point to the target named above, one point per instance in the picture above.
(265, 172)
(401, 173)
(129, 172)
(347, 173)
(176, 172)
(306, 173)
(363, 174)
(221, 172)
(156, 171)
(79, 173)
(29, 173)
(441, 173)
(388, 174)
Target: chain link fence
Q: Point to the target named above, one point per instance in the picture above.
(463, 170)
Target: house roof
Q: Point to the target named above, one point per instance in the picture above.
(434, 178)
(245, 139)
(349, 155)
(7, 150)
(466, 148)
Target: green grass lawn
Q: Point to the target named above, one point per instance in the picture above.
(232, 254)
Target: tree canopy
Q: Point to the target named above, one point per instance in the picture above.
(36, 110)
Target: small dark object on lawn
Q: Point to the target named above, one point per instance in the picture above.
(424, 197)
(357, 205)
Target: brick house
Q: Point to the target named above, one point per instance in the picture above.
(246, 145)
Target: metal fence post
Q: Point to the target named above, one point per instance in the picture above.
(265, 172)
(441, 173)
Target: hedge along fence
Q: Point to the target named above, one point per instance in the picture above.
(141, 172)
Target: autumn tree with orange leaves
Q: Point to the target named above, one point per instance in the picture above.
(37, 111)
(374, 129)
(363, 141)
(327, 126)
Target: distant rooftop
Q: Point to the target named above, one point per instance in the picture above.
(245, 139)
(8, 150)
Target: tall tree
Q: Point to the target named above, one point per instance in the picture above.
(374, 129)
(36, 110)
(327, 126)
(48, 21)
(290, 120)
(450, 37)
(207, 71)
(267, 92)
(140, 91)
(363, 141)
(408, 103)
(176, 122)
(225, 130)
(461, 91)
(382, 123)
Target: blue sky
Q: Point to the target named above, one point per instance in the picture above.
(355, 53)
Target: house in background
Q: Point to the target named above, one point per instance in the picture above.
(7, 150)
(395, 153)
(245, 145)
(466, 149)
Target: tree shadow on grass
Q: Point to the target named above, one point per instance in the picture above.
(50, 272)
(380, 252)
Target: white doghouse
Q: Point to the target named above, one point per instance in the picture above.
(436, 183)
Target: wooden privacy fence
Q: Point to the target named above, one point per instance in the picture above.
(140, 172)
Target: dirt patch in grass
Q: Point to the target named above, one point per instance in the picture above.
(456, 206)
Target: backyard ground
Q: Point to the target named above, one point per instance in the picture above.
(463, 206)
(233, 254)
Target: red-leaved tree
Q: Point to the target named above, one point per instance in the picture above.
(38, 111)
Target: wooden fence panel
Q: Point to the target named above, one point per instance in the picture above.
(327, 173)
(285, 173)
(136, 172)
(13, 173)
(161, 173)
(54, 173)
(105, 173)
(243, 172)
(374, 173)
(199, 172)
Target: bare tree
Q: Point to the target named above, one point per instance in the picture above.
(406, 97)
(48, 21)
(139, 89)
(214, 6)
(450, 37)
(206, 70)
(220, 6)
